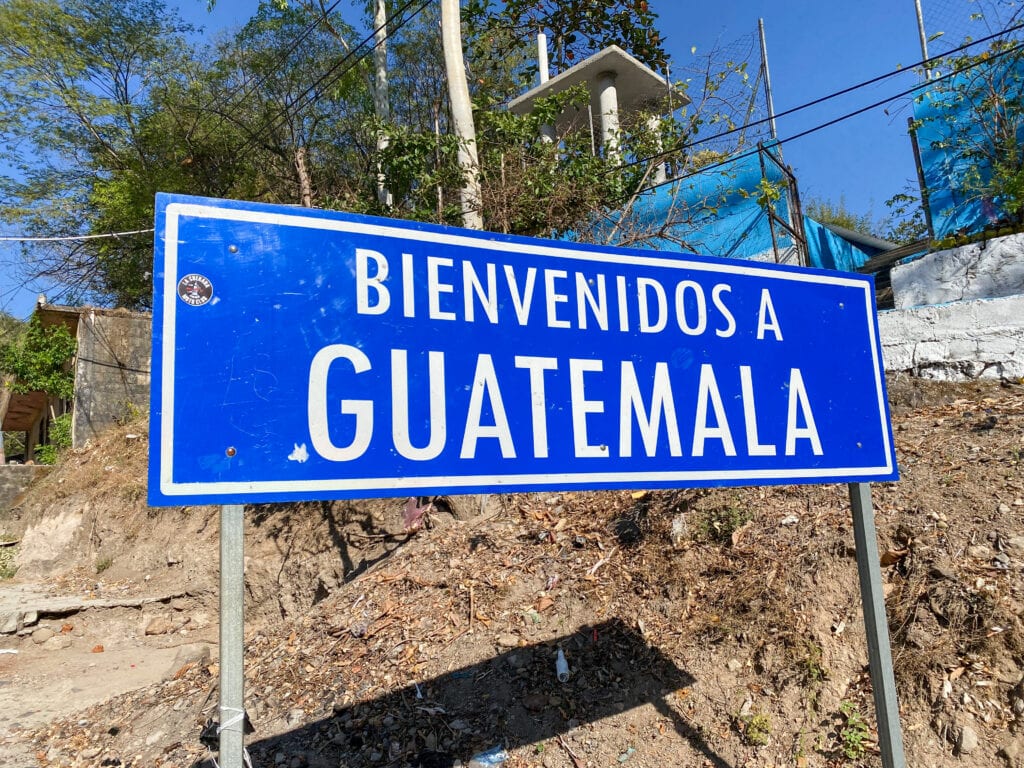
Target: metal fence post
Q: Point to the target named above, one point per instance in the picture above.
(232, 616)
(883, 682)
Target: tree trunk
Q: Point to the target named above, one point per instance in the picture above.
(305, 183)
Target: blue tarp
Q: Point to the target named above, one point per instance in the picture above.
(713, 212)
(716, 212)
(828, 250)
(952, 180)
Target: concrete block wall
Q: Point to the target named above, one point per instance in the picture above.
(985, 270)
(959, 341)
(111, 371)
(959, 313)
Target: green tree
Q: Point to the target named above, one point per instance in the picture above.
(839, 214)
(39, 360)
(75, 76)
(107, 103)
(977, 120)
(578, 28)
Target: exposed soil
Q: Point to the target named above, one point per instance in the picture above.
(701, 627)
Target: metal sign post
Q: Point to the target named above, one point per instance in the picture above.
(883, 682)
(232, 651)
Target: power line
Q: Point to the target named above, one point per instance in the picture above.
(279, 60)
(297, 104)
(829, 97)
(70, 238)
(828, 124)
(329, 77)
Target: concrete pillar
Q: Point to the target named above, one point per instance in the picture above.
(547, 132)
(658, 174)
(32, 439)
(5, 399)
(608, 104)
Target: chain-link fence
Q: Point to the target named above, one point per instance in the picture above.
(948, 24)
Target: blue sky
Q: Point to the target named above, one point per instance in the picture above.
(814, 48)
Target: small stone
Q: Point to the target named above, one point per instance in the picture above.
(789, 520)
(508, 641)
(279, 758)
(29, 618)
(90, 753)
(153, 738)
(159, 625)
(41, 635)
(734, 665)
(197, 654)
(173, 558)
(1014, 545)
(179, 603)
(57, 643)
(10, 623)
(296, 716)
(1013, 753)
(967, 741)
(979, 552)
(1018, 502)
(1004, 509)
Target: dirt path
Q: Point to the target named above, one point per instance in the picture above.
(80, 653)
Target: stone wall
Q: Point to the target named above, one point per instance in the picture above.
(112, 371)
(964, 340)
(986, 270)
(14, 479)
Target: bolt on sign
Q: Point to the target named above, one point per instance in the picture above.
(303, 354)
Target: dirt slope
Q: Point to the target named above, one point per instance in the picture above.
(700, 627)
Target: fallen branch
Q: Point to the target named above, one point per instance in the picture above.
(603, 561)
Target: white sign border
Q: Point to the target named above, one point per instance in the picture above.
(173, 213)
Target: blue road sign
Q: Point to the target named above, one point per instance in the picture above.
(302, 354)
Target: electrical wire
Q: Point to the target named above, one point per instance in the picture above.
(229, 97)
(828, 97)
(296, 104)
(329, 77)
(70, 238)
(830, 123)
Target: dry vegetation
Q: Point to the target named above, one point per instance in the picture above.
(702, 627)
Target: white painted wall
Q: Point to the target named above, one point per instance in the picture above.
(982, 339)
(981, 270)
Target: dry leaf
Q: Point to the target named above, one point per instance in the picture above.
(543, 604)
(893, 556)
(637, 495)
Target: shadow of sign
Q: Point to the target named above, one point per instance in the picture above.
(509, 700)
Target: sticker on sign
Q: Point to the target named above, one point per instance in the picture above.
(301, 354)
